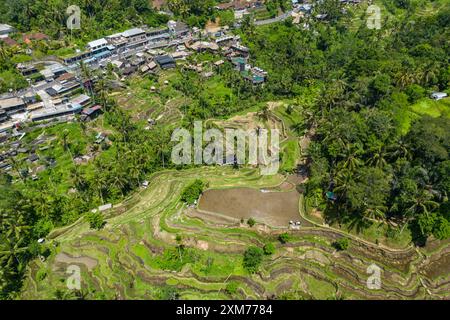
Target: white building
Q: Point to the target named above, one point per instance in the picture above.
(5, 30)
(97, 44)
(134, 35)
(438, 95)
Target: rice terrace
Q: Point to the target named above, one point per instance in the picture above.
(345, 101)
(132, 253)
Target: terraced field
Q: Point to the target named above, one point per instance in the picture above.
(132, 257)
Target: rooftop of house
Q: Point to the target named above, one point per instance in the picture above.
(133, 32)
(66, 76)
(5, 28)
(180, 26)
(11, 102)
(90, 111)
(82, 98)
(238, 4)
(166, 59)
(97, 43)
(35, 36)
(8, 41)
(199, 45)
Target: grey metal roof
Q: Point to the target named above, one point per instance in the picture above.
(132, 32)
(11, 102)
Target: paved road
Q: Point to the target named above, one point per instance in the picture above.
(282, 17)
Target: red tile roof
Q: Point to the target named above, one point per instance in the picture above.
(27, 38)
(8, 41)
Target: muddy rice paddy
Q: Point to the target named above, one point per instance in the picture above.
(274, 208)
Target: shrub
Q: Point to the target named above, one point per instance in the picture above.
(415, 92)
(232, 287)
(342, 244)
(175, 259)
(192, 192)
(41, 274)
(169, 293)
(251, 222)
(42, 228)
(269, 249)
(95, 220)
(252, 259)
(284, 238)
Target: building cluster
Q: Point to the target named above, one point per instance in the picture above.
(61, 94)
(5, 31)
(14, 147)
(59, 90)
(240, 7)
(129, 41)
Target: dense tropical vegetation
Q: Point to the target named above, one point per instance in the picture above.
(372, 159)
(355, 89)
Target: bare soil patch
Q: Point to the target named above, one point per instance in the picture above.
(90, 263)
(272, 208)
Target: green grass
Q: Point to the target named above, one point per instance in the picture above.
(432, 108)
(320, 290)
(426, 106)
(291, 153)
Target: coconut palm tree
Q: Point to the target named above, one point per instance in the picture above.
(77, 178)
(298, 128)
(377, 213)
(423, 203)
(378, 158)
(400, 149)
(352, 153)
(344, 178)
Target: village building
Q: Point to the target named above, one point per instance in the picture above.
(35, 106)
(26, 69)
(178, 28)
(128, 71)
(6, 29)
(58, 90)
(225, 40)
(82, 100)
(8, 41)
(158, 34)
(28, 38)
(240, 50)
(3, 116)
(70, 109)
(135, 37)
(240, 4)
(201, 46)
(165, 62)
(12, 105)
(97, 45)
(179, 55)
(66, 77)
(89, 114)
(117, 40)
